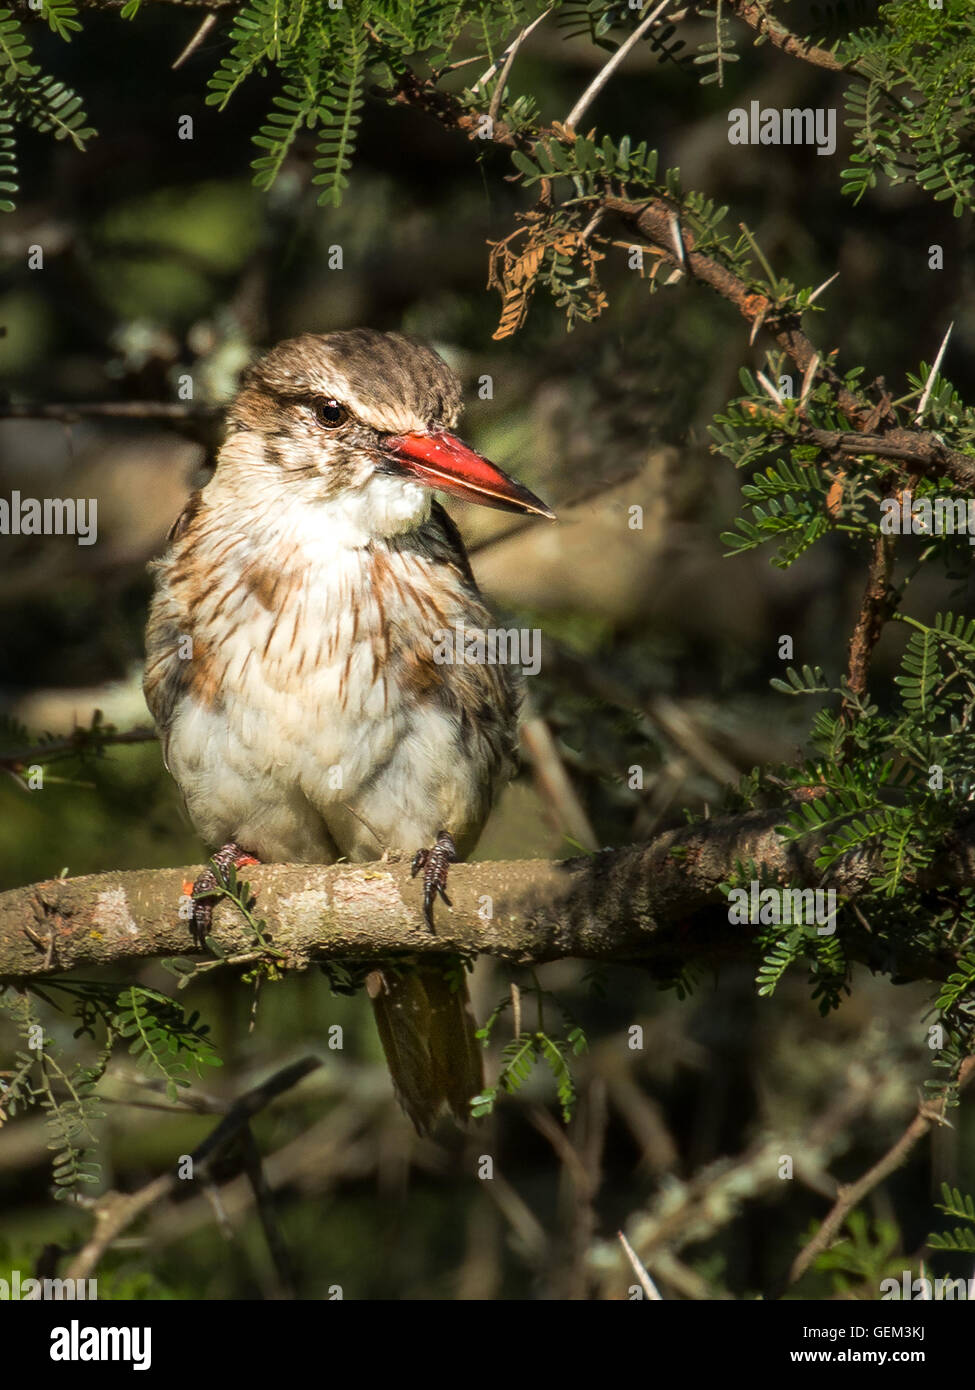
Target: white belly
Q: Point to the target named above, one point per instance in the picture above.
(311, 746)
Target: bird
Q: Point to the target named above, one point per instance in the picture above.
(291, 655)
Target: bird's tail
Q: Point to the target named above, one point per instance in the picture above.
(426, 1026)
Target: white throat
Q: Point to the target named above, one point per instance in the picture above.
(384, 506)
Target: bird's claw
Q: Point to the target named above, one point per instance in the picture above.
(435, 864)
(205, 888)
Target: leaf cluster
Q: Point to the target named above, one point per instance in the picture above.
(528, 1047)
(167, 1045)
(878, 800)
(911, 106)
(799, 493)
(961, 1240)
(32, 98)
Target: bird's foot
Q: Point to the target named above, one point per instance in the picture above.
(435, 862)
(205, 887)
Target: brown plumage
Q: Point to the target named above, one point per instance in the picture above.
(290, 662)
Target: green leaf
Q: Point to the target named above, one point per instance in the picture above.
(339, 117)
(291, 109)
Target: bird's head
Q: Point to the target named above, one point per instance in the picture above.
(363, 420)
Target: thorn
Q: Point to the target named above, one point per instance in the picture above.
(807, 380)
(676, 237)
(591, 225)
(508, 53)
(824, 286)
(603, 75)
(922, 404)
(196, 40)
(639, 1269)
(767, 386)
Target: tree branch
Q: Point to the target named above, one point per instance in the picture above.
(696, 1210)
(112, 410)
(659, 904)
(115, 1211)
(755, 14)
(876, 429)
(24, 7)
(875, 607)
(924, 450)
(929, 1114)
(79, 742)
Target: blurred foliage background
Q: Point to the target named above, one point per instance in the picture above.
(160, 259)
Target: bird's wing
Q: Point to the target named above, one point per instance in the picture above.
(159, 687)
(448, 545)
(182, 523)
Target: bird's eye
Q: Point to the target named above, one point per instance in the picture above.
(328, 412)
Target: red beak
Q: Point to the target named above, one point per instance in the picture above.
(442, 461)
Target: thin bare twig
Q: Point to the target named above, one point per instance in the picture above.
(80, 741)
(264, 1201)
(111, 410)
(554, 783)
(115, 1211)
(678, 725)
(583, 1168)
(928, 1115)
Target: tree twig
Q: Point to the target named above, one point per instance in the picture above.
(554, 782)
(116, 1211)
(875, 608)
(653, 218)
(696, 1210)
(81, 740)
(756, 16)
(928, 1115)
(111, 410)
